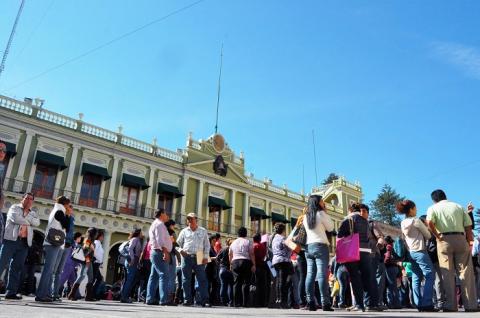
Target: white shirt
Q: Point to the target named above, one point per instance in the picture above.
(99, 252)
(416, 234)
(322, 224)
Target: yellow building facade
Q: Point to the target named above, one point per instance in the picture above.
(116, 182)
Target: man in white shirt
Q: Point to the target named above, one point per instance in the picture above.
(193, 242)
(97, 264)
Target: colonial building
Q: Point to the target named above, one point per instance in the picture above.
(116, 182)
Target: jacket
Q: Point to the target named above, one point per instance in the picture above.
(15, 218)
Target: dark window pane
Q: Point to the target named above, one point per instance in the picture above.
(44, 181)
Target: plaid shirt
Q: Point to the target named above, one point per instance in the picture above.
(193, 241)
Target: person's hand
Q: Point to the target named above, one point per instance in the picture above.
(166, 257)
(470, 207)
(205, 261)
(440, 237)
(253, 268)
(183, 253)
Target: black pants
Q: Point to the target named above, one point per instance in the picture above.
(371, 296)
(242, 275)
(261, 284)
(97, 278)
(283, 282)
(360, 276)
(302, 275)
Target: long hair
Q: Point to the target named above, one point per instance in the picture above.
(312, 208)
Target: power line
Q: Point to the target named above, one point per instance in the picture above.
(105, 44)
(10, 39)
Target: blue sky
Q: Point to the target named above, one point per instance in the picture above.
(390, 87)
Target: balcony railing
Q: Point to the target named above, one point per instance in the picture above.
(50, 193)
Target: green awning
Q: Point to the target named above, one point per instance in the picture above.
(11, 149)
(258, 213)
(133, 181)
(276, 217)
(50, 159)
(213, 201)
(293, 222)
(163, 187)
(93, 169)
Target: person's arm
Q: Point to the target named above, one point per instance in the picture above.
(344, 229)
(252, 257)
(431, 223)
(230, 255)
(63, 219)
(206, 248)
(327, 222)
(422, 228)
(33, 219)
(468, 225)
(15, 215)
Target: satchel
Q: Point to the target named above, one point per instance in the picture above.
(348, 248)
(300, 235)
(55, 237)
(78, 254)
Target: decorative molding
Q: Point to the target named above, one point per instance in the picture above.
(52, 146)
(95, 158)
(9, 134)
(134, 169)
(257, 203)
(216, 192)
(277, 208)
(167, 178)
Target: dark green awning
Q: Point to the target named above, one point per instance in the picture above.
(93, 169)
(11, 149)
(49, 159)
(212, 201)
(276, 217)
(163, 187)
(293, 221)
(258, 213)
(134, 181)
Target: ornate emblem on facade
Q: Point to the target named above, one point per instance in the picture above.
(219, 166)
(218, 143)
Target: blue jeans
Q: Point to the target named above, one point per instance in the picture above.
(189, 264)
(226, 286)
(129, 280)
(422, 267)
(45, 286)
(13, 255)
(159, 277)
(171, 276)
(343, 281)
(317, 269)
(58, 269)
(393, 297)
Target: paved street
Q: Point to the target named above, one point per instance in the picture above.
(107, 309)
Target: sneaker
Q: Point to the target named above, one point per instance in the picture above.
(44, 300)
(126, 301)
(206, 305)
(327, 308)
(57, 299)
(356, 308)
(13, 297)
(187, 304)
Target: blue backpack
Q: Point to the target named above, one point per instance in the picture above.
(400, 248)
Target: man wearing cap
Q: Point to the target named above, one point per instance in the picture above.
(194, 245)
(452, 227)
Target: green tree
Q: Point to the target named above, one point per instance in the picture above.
(330, 178)
(383, 207)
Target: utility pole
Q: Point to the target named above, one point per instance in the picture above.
(10, 39)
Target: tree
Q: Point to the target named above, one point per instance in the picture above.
(383, 208)
(330, 178)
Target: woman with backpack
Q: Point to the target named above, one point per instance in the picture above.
(131, 264)
(317, 222)
(416, 235)
(87, 267)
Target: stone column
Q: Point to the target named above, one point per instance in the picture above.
(183, 203)
(20, 178)
(199, 207)
(71, 168)
(153, 187)
(246, 213)
(106, 247)
(268, 222)
(232, 213)
(113, 184)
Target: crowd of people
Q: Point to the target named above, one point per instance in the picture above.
(433, 265)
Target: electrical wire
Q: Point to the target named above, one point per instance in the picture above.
(105, 44)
